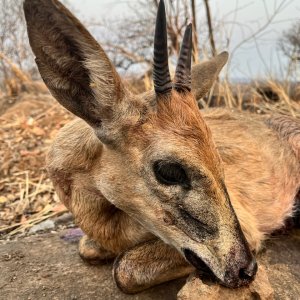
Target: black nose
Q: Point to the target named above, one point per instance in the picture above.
(249, 272)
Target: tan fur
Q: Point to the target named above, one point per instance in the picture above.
(92, 252)
(261, 172)
(204, 75)
(159, 261)
(232, 170)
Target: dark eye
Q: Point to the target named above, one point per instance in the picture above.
(170, 173)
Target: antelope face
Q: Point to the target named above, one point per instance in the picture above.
(159, 162)
(170, 178)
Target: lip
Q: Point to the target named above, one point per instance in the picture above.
(204, 270)
(199, 264)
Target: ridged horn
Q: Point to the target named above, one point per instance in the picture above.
(161, 73)
(183, 81)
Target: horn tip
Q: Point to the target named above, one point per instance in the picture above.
(188, 30)
(161, 5)
(190, 27)
(161, 15)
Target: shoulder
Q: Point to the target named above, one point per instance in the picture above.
(74, 148)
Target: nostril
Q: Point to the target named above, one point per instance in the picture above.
(249, 272)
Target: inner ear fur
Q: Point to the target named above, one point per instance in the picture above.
(204, 74)
(72, 64)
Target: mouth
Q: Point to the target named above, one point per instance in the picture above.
(231, 280)
(199, 264)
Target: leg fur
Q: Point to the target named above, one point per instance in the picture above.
(100, 220)
(147, 265)
(92, 252)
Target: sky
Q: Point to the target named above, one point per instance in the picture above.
(259, 58)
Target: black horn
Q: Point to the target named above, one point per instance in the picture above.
(161, 73)
(182, 81)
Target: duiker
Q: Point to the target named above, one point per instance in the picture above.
(149, 178)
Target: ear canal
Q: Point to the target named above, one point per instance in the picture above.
(183, 81)
(71, 62)
(161, 73)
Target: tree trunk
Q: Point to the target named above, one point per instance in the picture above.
(195, 35)
(210, 29)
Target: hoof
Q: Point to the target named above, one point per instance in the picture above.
(127, 275)
(92, 253)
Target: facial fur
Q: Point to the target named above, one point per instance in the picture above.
(195, 215)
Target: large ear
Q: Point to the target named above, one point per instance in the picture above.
(204, 74)
(72, 64)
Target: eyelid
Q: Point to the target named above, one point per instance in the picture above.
(162, 178)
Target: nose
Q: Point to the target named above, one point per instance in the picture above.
(236, 277)
(248, 273)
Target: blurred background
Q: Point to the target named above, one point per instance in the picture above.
(262, 76)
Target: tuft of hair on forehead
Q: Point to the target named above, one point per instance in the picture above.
(178, 121)
(179, 113)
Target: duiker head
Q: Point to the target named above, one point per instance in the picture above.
(159, 162)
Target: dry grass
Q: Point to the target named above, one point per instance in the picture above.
(26, 194)
(29, 125)
(284, 105)
(269, 97)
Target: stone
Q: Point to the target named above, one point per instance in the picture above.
(46, 225)
(196, 289)
(72, 235)
(64, 219)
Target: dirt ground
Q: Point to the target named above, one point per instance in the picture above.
(45, 266)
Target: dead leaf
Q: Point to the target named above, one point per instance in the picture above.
(3, 199)
(38, 131)
(23, 219)
(59, 208)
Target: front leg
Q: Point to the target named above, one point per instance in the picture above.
(93, 253)
(147, 265)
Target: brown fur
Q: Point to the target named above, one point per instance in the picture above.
(268, 175)
(262, 173)
(288, 129)
(262, 183)
(241, 173)
(159, 261)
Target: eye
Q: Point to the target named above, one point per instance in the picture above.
(170, 173)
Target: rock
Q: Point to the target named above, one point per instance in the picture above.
(72, 235)
(46, 225)
(64, 219)
(196, 289)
